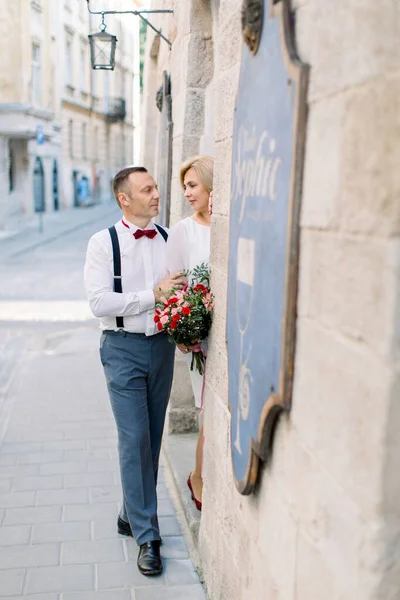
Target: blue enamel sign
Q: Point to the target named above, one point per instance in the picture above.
(267, 153)
(39, 135)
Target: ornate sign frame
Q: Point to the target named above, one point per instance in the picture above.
(252, 419)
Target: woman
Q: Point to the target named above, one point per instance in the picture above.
(188, 247)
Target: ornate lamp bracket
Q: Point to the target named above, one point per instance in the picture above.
(138, 13)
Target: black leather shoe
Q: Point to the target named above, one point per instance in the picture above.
(124, 528)
(149, 559)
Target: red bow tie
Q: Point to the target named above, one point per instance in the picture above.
(150, 233)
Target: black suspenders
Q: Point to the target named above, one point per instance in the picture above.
(117, 264)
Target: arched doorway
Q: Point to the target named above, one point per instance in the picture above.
(38, 186)
(56, 204)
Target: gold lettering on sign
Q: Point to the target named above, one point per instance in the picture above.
(256, 168)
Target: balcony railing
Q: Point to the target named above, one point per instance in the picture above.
(116, 110)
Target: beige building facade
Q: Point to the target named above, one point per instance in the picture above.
(324, 522)
(97, 105)
(30, 111)
(65, 129)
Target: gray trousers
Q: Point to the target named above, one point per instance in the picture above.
(139, 373)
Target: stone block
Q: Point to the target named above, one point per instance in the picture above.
(169, 526)
(180, 572)
(12, 581)
(23, 471)
(219, 255)
(179, 592)
(60, 532)
(5, 485)
(181, 393)
(85, 552)
(217, 370)
(54, 497)
(102, 466)
(354, 421)
(93, 454)
(194, 112)
(30, 515)
(90, 512)
(370, 174)
(182, 420)
(124, 574)
(199, 68)
(105, 494)
(14, 536)
(230, 42)
(345, 50)
(109, 442)
(44, 482)
(21, 448)
(113, 595)
(348, 285)
(225, 102)
(29, 556)
(63, 468)
(323, 160)
(222, 178)
(78, 578)
(17, 499)
(88, 479)
(40, 457)
(311, 559)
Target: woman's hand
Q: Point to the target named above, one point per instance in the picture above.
(210, 203)
(186, 349)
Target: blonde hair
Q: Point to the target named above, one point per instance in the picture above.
(204, 168)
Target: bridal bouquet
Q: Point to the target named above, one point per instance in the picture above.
(186, 314)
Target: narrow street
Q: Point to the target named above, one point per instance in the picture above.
(59, 476)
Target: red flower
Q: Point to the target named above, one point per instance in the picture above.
(173, 324)
(156, 319)
(172, 301)
(176, 317)
(199, 287)
(186, 310)
(159, 326)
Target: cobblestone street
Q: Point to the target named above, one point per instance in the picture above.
(59, 476)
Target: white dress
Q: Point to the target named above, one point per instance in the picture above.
(189, 246)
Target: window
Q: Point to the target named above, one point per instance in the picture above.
(70, 138)
(84, 141)
(96, 143)
(11, 177)
(36, 74)
(83, 70)
(68, 62)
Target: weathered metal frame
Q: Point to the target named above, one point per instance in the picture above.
(277, 403)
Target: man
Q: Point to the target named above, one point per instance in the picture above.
(138, 361)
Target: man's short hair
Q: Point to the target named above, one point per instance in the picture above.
(119, 183)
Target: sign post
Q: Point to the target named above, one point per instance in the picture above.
(267, 161)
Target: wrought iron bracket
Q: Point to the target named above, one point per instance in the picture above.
(137, 13)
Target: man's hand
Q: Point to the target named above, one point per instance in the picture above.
(177, 280)
(185, 349)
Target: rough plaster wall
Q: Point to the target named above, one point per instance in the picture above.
(325, 522)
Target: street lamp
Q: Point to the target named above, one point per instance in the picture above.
(102, 44)
(102, 49)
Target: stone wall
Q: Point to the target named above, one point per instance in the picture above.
(325, 520)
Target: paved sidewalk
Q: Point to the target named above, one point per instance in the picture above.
(55, 224)
(59, 484)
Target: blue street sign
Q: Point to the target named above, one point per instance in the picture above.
(39, 135)
(268, 144)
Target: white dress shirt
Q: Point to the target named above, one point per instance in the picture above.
(143, 266)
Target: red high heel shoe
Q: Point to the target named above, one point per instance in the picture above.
(197, 502)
